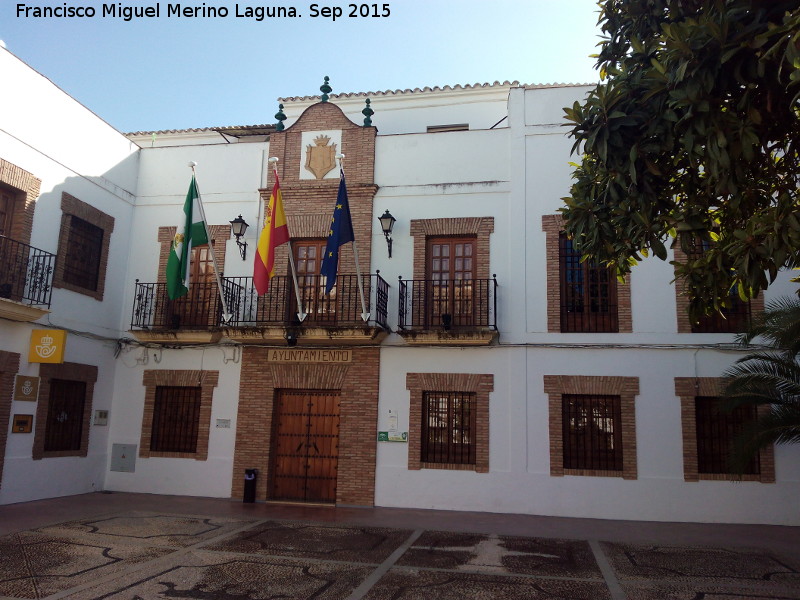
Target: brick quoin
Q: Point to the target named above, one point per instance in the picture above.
(9, 367)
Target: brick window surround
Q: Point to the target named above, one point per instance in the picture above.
(682, 300)
(73, 372)
(206, 380)
(478, 227)
(687, 388)
(9, 367)
(627, 388)
(27, 187)
(553, 225)
(479, 384)
(72, 207)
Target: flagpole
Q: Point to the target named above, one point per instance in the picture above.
(364, 313)
(300, 314)
(226, 316)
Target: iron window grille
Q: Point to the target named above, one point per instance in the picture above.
(592, 432)
(716, 431)
(176, 419)
(82, 259)
(448, 428)
(588, 292)
(64, 428)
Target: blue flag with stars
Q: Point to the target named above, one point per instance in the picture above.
(340, 233)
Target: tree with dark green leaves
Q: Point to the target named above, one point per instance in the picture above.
(767, 377)
(692, 137)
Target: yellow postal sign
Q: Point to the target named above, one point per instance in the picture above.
(47, 346)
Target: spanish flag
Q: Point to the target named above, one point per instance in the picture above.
(275, 233)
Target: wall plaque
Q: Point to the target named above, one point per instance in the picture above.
(26, 388)
(310, 355)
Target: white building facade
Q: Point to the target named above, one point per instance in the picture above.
(493, 372)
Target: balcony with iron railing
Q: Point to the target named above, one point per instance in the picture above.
(448, 311)
(26, 280)
(338, 317)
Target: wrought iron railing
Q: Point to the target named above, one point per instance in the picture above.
(199, 309)
(448, 304)
(26, 273)
(202, 308)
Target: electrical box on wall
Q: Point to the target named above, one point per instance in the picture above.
(101, 417)
(123, 457)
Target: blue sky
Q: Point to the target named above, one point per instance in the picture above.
(178, 72)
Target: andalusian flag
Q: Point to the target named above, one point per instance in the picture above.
(275, 233)
(191, 232)
(340, 233)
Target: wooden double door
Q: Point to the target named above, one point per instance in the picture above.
(305, 446)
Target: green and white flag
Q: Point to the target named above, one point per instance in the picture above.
(191, 232)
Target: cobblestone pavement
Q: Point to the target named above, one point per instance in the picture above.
(147, 554)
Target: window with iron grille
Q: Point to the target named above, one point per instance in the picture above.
(733, 319)
(448, 428)
(716, 431)
(176, 419)
(592, 432)
(64, 415)
(588, 292)
(82, 259)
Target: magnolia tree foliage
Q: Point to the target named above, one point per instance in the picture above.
(692, 136)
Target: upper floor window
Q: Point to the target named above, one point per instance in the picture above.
(581, 296)
(82, 259)
(83, 247)
(7, 206)
(733, 319)
(588, 292)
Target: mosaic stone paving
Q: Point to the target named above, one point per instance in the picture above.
(680, 573)
(225, 576)
(502, 554)
(144, 556)
(353, 544)
(408, 584)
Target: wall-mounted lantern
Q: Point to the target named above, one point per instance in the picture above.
(387, 223)
(238, 229)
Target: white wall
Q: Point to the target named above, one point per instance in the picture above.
(49, 134)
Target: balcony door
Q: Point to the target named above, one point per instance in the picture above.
(318, 305)
(7, 205)
(450, 286)
(197, 308)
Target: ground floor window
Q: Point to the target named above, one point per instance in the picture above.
(177, 413)
(592, 427)
(448, 428)
(448, 424)
(64, 426)
(176, 419)
(709, 431)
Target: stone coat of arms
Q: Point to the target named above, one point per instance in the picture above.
(321, 158)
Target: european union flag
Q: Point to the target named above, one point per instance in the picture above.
(340, 233)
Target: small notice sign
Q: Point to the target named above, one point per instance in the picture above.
(26, 388)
